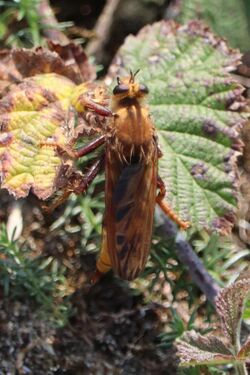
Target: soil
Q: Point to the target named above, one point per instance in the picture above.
(112, 330)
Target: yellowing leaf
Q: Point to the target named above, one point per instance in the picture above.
(35, 115)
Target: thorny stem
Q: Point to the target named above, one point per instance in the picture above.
(240, 367)
(188, 257)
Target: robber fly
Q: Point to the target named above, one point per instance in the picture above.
(132, 184)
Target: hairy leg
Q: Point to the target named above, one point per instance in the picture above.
(76, 154)
(165, 206)
(76, 185)
(90, 175)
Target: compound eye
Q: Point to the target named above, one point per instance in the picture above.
(143, 89)
(121, 89)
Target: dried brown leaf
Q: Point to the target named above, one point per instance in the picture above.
(8, 71)
(38, 130)
(74, 56)
(40, 61)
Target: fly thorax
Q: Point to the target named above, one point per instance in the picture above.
(128, 152)
(133, 126)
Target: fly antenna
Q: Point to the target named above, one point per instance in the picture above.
(118, 80)
(135, 74)
(132, 75)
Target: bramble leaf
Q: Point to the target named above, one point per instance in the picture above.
(244, 351)
(233, 13)
(196, 105)
(74, 58)
(69, 61)
(230, 305)
(8, 70)
(42, 111)
(194, 349)
(30, 115)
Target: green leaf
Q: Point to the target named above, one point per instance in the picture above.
(228, 18)
(196, 105)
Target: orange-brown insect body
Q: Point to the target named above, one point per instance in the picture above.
(131, 155)
(131, 182)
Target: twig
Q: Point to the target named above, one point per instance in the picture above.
(102, 28)
(187, 256)
(48, 18)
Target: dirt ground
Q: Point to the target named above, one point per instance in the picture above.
(103, 337)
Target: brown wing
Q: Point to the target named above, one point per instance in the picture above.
(130, 203)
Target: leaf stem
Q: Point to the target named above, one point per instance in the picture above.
(240, 369)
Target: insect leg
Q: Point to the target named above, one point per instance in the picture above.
(165, 206)
(50, 207)
(76, 154)
(90, 147)
(161, 186)
(76, 186)
(89, 177)
(159, 152)
(86, 103)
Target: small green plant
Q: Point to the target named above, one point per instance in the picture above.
(220, 255)
(26, 13)
(195, 349)
(39, 278)
(176, 329)
(22, 23)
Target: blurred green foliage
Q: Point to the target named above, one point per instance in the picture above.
(220, 256)
(229, 19)
(23, 13)
(21, 24)
(176, 328)
(40, 278)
